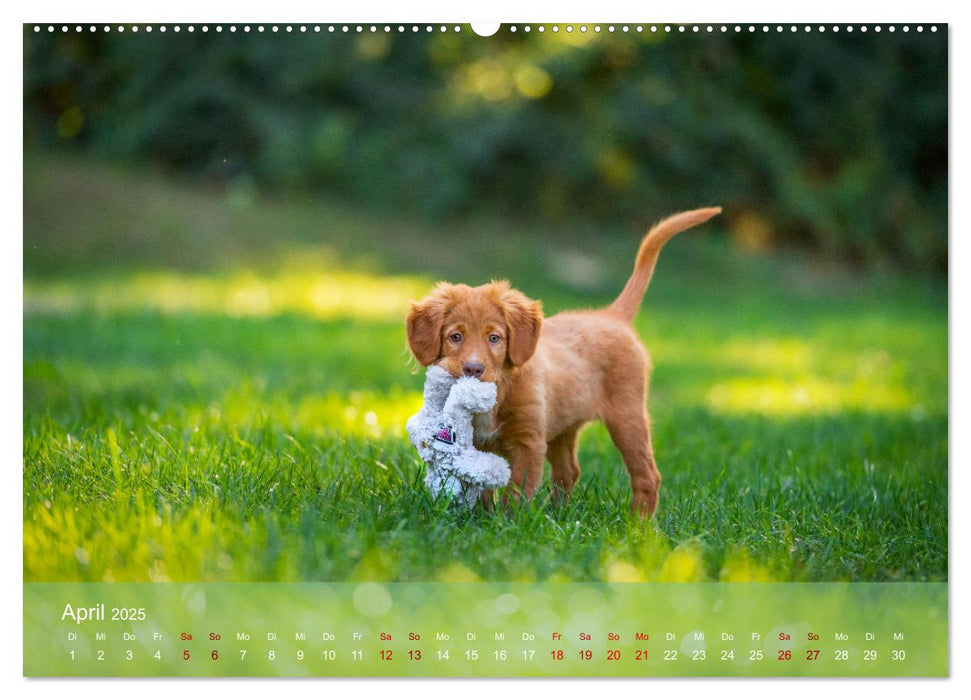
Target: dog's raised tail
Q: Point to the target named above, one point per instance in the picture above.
(626, 305)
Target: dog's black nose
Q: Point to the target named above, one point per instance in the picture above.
(473, 369)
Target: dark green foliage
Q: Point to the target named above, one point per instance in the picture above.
(834, 142)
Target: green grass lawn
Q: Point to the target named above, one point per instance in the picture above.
(215, 388)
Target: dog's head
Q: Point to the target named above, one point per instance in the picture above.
(474, 331)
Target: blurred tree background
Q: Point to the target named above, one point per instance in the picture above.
(831, 142)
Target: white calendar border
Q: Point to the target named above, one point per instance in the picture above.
(604, 11)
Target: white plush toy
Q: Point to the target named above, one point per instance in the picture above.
(442, 433)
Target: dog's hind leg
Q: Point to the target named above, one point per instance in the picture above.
(564, 468)
(631, 433)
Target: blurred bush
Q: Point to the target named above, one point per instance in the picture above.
(831, 142)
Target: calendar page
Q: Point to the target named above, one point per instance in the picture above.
(513, 350)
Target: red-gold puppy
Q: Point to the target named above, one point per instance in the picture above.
(552, 375)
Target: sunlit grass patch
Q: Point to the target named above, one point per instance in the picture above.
(320, 294)
(780, 396)
(136, 541)
(456, 572)
(741, 567)
(683, 565)
(650, 556)
(365, 414)
(620, 571)
(816, 374)
(790, 355)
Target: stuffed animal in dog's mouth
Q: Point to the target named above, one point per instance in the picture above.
(442, 433)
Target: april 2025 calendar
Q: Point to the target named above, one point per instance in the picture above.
(459, 630)
(227, 225)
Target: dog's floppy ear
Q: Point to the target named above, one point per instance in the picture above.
(425, 325)
(524, 318)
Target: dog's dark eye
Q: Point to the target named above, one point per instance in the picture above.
(494, 338)
(455, 337)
